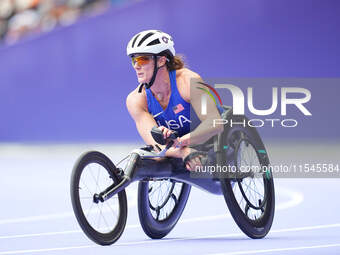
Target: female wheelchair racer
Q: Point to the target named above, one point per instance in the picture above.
(164, 183)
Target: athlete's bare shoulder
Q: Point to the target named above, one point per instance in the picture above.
(186, 73)
(136, 102)
(184, 79)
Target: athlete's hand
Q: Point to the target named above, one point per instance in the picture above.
(175, 152)
(192, 164)
(179, 142)
(182, 152)
(183, 141)
(166, 132)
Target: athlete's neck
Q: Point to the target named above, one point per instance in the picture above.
(161, 88)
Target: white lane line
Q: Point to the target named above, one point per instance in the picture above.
(279, 249)
(132, 202)
(46, 250)
(55, 233)
(336, 225)
(42, 234)
(176, 240)
(181, 221)
(296, 198)
(45, 217)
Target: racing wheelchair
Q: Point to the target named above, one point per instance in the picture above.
(98, 186)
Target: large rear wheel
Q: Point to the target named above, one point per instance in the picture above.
(249, 188)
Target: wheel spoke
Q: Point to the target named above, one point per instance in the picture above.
(88, 212)
(108, 205)
(254, 190)
(101, 212)
(251, 190)
(86, 187)
(163, 197)
(94, 179)
(98, 215)
(98, 176)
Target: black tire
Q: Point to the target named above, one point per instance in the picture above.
(154, 225)
(257, 223)
(119, 202)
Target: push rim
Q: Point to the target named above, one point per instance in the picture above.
(163, 197)
(251, 189)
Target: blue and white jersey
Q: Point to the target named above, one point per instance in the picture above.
(177, 114)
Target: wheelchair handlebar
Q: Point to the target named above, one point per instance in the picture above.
(157, 135)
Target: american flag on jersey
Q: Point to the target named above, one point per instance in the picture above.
(178, 108)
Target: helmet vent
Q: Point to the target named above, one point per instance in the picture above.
(154, 42)
(144, 38)
(134, 40)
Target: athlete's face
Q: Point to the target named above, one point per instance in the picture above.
(144, 66)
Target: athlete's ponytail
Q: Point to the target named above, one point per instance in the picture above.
(175, 63)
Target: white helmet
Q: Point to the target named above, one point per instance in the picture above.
(151, 41)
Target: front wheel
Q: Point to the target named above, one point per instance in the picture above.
(102, 222)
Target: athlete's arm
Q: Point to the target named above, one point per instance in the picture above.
(190, 93)
(143, 119)
(144, 122)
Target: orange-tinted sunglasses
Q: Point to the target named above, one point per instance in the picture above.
(141, 60)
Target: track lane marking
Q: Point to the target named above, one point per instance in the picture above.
(296, 198)
(132, 202)
(186, 239)
(278, 249)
